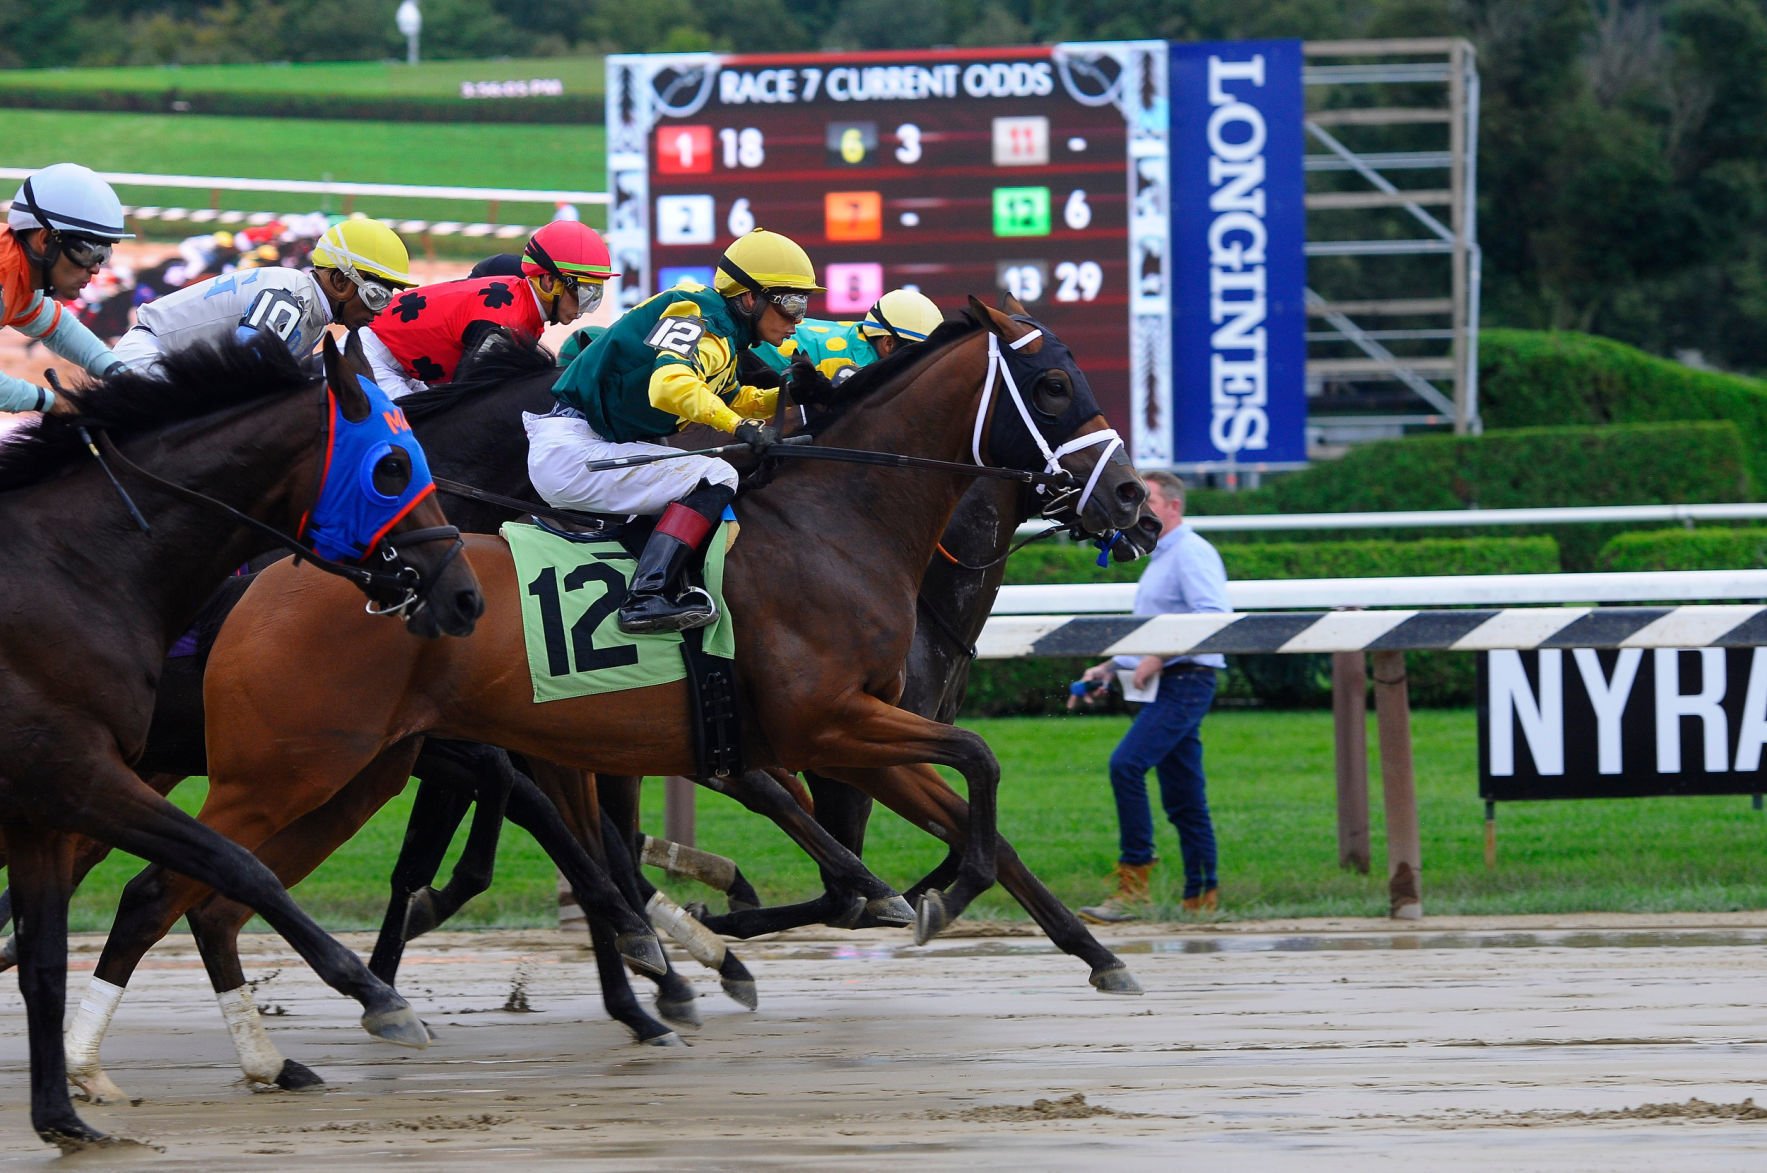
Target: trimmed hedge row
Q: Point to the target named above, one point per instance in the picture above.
(1530, 378)
(1003, 687)
(1714, 548)
(584, 110)
(1635, 464)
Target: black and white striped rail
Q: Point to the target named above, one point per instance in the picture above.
(1472, 630)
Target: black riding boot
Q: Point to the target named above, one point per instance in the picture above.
(656, 602)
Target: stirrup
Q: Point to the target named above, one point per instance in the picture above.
(655, 614)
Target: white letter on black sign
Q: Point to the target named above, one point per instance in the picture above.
(1752, 733)
(1542, 721)
(1609, 701)
(1706, 704)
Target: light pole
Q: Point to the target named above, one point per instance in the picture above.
(410, 22)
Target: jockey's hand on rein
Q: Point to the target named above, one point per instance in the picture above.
(807, 384)
(759, 435)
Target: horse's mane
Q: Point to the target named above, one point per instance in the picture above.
(197, 381)
(885, 372)
(492, 367)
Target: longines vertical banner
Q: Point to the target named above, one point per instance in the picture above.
(1239, 269)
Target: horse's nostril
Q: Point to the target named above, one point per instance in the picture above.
(1130, 493)
(472, 603)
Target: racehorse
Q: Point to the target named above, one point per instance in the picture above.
(225, 447)
(821, 661)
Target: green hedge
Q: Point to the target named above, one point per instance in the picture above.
(1530, 378)
(1715, 548)
(1634, 464)
(584, 110)
(1002, 687)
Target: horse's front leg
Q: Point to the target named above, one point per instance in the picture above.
(869, 735)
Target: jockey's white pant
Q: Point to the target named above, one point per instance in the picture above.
(388, 372)
(560, 445)
(138, 349)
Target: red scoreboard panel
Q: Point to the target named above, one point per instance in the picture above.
(1040, 170)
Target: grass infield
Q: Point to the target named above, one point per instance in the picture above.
(1272, 790)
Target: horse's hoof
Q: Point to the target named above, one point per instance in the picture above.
(680, 1011)
(96, 1087)
(296, 1077)
(697, 909)
(8, 953)
(742, 991)
(398, 1025)
(890, 910)
(930, 918)
(1115, 979)
(420, 913)
(671, 1039)
(81, 1138)
(850, 916)
(643, 952)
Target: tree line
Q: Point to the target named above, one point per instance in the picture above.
(1623, 145)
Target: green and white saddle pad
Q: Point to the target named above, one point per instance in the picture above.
(571, 594)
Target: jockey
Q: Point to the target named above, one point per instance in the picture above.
(668, 362)
(564, 268)
(357, 267)
(835, 350)
(63, 222)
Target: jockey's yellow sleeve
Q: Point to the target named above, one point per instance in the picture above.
(703, 388)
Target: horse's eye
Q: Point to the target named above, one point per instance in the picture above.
(392, 473)
(1053, 392)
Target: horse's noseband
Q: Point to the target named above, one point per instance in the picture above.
(400, 580)
(1023, 446)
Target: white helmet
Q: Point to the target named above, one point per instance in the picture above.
(66, 197)
(907, 315)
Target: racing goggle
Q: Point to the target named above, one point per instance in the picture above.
(375, 295)
(85, 251)
(793, 305)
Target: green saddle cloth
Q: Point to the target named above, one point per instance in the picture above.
(570, 595)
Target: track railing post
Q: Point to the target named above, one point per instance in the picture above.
(1349, 710)
(1398, 788)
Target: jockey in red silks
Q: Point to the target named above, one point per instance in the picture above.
(424, 335)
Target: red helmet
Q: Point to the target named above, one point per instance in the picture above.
(568, 248)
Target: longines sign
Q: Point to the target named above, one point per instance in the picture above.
(1577, 723)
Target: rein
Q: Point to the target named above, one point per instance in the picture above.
(517, 505)
(405, 578)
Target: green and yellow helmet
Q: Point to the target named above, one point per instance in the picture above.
(764, 260)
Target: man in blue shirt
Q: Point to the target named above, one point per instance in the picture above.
(1184, 574)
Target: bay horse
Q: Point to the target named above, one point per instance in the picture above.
(821, 662)
(223, 447)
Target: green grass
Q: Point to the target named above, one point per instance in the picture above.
(582, 76)
(1272, 790)
(462, 154)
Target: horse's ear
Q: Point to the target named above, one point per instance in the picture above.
(1013, 306)
(341, 370)
(986, 317)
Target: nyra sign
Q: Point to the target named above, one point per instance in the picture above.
(1577, 723)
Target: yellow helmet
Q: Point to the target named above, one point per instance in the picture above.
(764, 260)
(905, 314)
(364, 247)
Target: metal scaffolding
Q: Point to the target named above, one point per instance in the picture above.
(1394, 313)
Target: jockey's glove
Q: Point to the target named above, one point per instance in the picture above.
(807, 384)
(759, 435)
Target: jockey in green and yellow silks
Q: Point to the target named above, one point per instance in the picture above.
(899, 316)
(668, 362)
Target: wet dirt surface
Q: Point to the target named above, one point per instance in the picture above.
(1600, 1042)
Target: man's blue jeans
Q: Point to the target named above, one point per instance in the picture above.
(1164, 737)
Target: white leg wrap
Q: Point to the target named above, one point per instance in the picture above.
(705, 946)
(258, 1056)
(86, 1032)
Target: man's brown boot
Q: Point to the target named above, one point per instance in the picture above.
(1209, 901)
(1131, 892)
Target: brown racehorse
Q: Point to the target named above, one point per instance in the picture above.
(822, 584)
(220, 444)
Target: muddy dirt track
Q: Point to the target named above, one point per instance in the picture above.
(1536, 1043)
